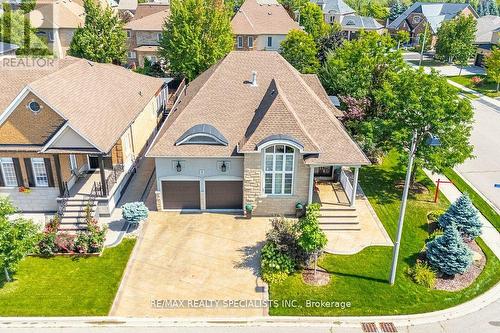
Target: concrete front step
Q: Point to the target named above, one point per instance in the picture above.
(72, 227)
(334, 227)
(76, 212)
(337, 208)
(343, 214)
(338, 219)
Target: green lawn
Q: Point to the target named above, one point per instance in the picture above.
(476, 199)
(362, 278)
(428, 63)
(65, 286)
(487, 87)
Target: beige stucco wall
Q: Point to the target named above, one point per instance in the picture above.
(144, 127)
(269, 205)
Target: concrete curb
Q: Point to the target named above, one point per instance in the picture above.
(399, 320)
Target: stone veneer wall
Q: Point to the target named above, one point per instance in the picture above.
(273, 205)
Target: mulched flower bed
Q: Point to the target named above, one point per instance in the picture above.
(322, 277)
(416, 188)
(459, 282)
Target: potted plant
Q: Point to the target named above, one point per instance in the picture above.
(299, 209)
(248, 210)
(23, 189)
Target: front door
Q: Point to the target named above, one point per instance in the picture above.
(323, 171)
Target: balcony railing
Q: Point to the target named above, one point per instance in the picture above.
(111, 179)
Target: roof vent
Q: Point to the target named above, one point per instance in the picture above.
(254, 79)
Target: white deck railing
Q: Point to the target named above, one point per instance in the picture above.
(346, 184)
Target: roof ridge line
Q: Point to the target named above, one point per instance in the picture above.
(248, 19)
(282, 95)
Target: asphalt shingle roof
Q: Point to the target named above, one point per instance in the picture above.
(282, 103)
(360, 22)
(334, 6)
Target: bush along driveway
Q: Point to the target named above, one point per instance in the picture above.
(65, 286)
(359, 284)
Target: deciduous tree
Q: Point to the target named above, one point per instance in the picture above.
(330, 42)
(493, 66)
(299, 49)
(17, 239)
(196, 36)
(426, 103)
(455, 40)
(102, 38)
(313, 21)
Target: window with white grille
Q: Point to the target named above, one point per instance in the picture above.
(8, 172)
(278, 170)
(39, 172)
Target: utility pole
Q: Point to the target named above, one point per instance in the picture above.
(423, 47)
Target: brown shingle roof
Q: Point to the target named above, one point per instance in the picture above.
(150, 22)
(257, 17)
(223, 98)
(99, 101)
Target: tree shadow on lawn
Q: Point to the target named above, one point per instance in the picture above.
(379, 184)
(363, 277)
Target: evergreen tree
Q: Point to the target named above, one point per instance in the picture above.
(480, 9)
(486, 8)
(102, 38)
(464, 216)
(196, 36)
(448, 253)
(493, 7)
(330, 42)
(397, 9)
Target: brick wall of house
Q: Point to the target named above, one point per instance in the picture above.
(273, 205)
(245, 43)
(25, 127)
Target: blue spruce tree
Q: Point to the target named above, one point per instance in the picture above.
(480, 9)
(493, 7)
(448, 253)
(396, 9)
(486, 8)
(464, 216)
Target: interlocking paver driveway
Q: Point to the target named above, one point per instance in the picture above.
(193, 257)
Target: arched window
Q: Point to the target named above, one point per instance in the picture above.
(278, 169)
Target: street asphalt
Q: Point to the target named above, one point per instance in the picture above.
(484, 171)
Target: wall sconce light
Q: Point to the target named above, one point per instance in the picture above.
(223, 167)
(178, 167)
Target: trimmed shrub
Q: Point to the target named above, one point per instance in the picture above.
(448, 253)
(65, 243)
(312, 239)
(464, 215)
(47, 244)
(422, 274)
(284, 234)
(134, 212)
(434, 215)
(275, 265)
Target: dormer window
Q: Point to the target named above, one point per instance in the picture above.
(202, 134)
(416, 19)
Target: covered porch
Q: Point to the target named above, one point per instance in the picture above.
(346, 216)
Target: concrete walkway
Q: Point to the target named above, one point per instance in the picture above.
(137, 190)
(488, 101)
(490, 235)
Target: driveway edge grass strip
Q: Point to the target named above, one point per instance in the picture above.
(484, 207)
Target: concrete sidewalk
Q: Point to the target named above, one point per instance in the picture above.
(488, 101)
(490, 235)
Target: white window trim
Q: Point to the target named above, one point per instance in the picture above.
(158, 36)
(132, 55)
(36, 160)
(73, 164)
(187, 139)
(8, 160)
(51, 36)
(238, 40)
(283, 172)
(250, 45)
(269, 38)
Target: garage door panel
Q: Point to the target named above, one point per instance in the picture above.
(224, 194)
(181, 194)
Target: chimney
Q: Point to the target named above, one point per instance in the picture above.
(254, 79)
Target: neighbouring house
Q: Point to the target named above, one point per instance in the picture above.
(261, 25)
(56, 22)
(71, 132)
(251, 130)
(144, 32)
(127, 7)
(488, 28)
(337, 11)
(7, 49)
(417, 16)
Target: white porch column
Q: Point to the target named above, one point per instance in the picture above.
(311, 185)
(354, 186)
